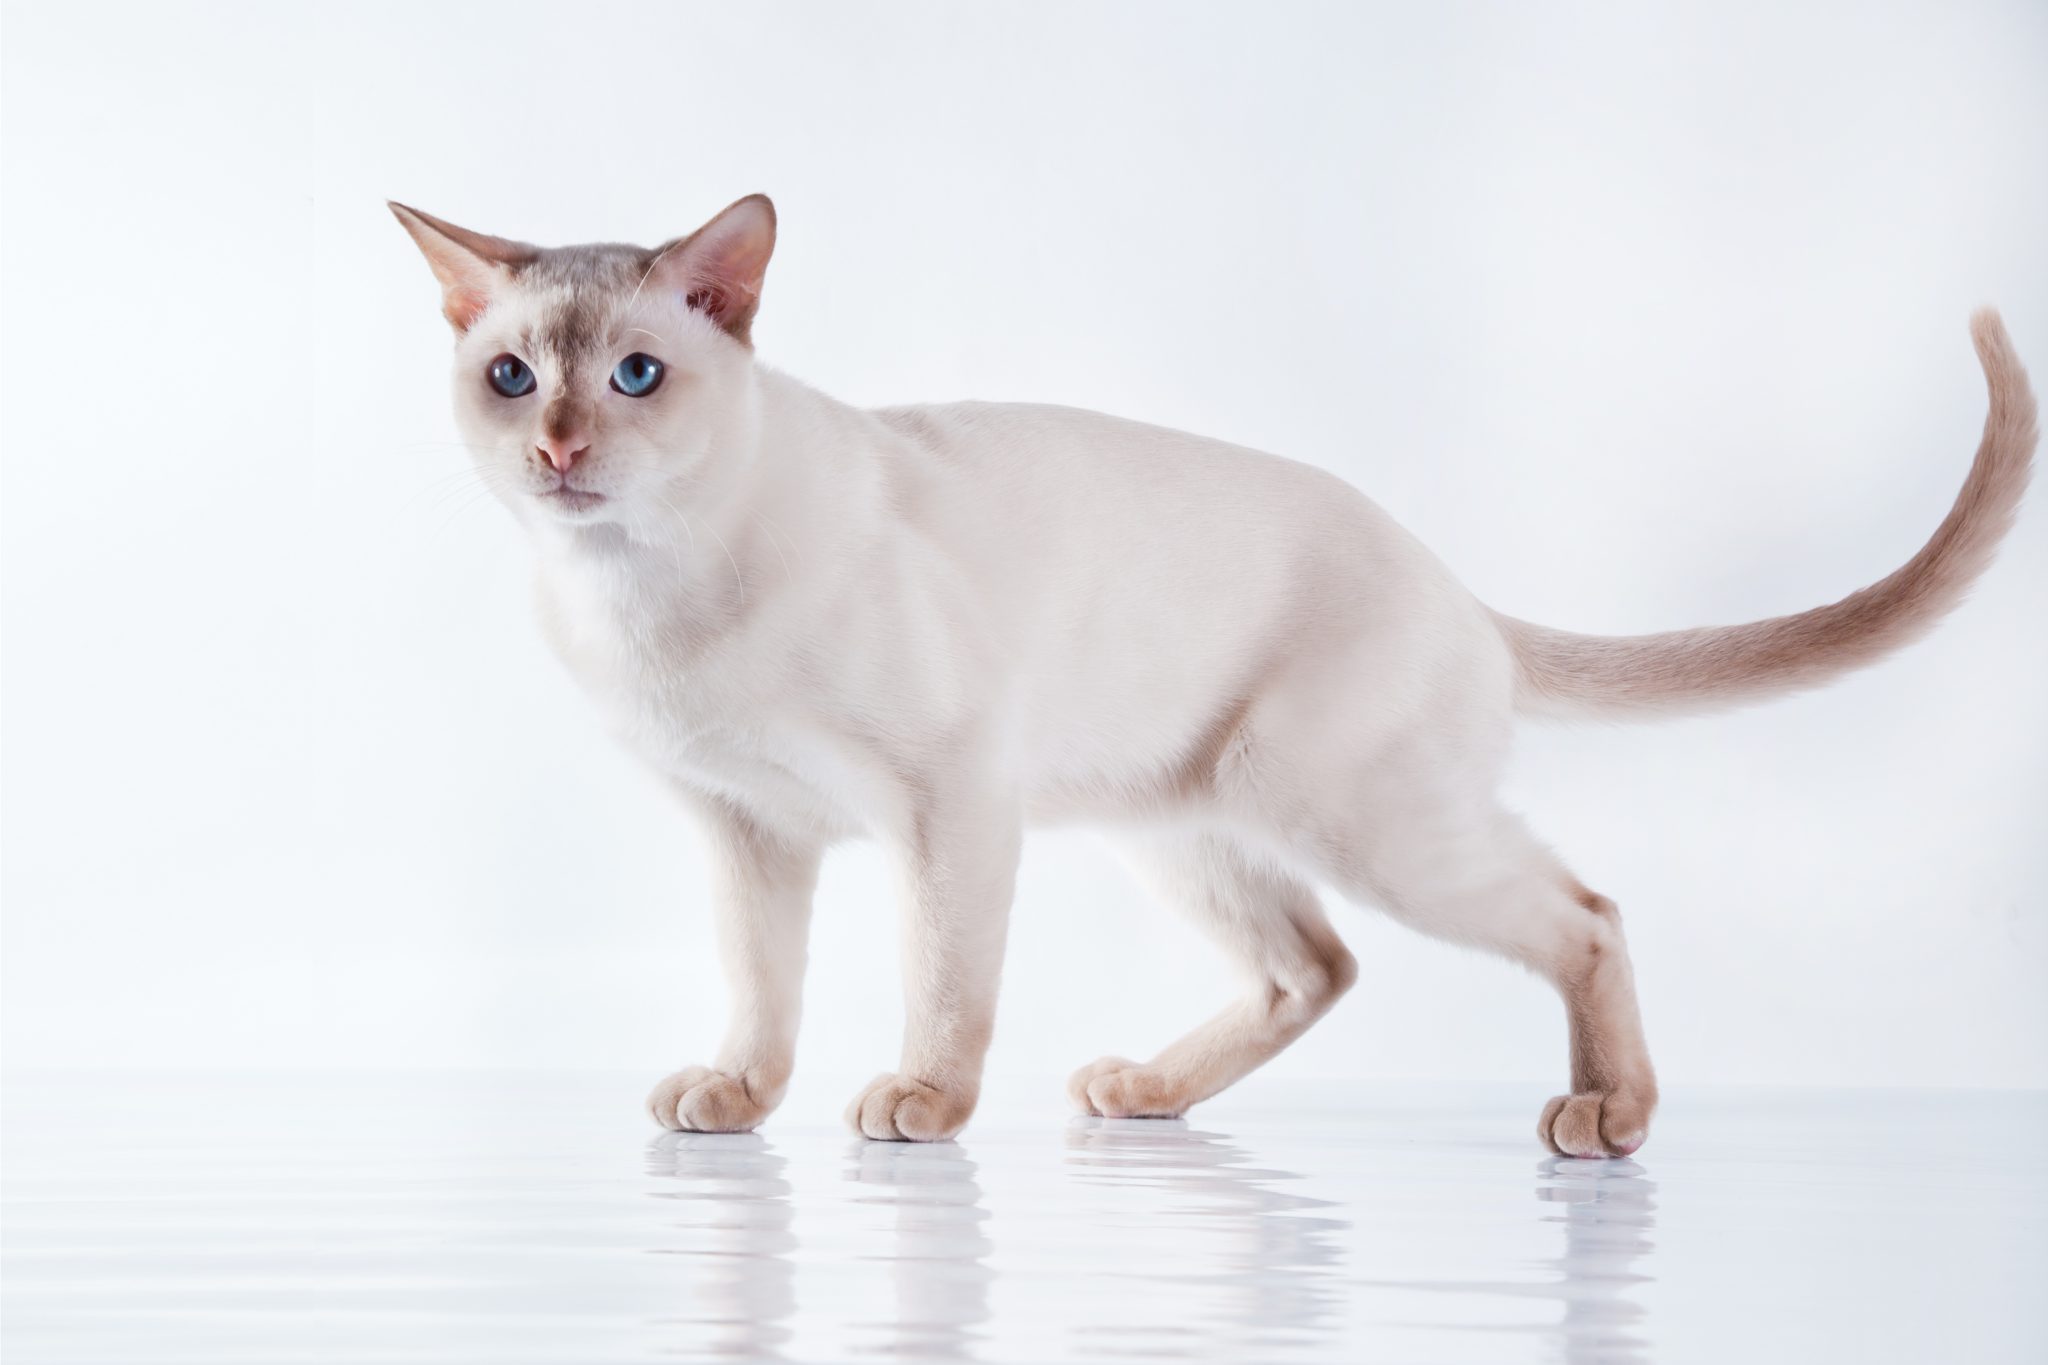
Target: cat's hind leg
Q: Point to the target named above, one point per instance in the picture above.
(1474, 875)
(1269, 922)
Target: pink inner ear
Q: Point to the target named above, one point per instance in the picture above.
(718, 269)
(468, 264)
(705, 300)
(709, 289)
(462, 305)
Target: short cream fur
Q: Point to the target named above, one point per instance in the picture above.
(934, 626)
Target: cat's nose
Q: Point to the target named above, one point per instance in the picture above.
(563, 452)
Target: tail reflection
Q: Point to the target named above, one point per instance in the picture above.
(736, 1219)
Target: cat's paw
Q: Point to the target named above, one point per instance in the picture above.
(1595, 1123)
(1118, 1088)
(901, 1109)
(700, 1100)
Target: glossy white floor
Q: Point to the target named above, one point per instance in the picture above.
(513, 1218)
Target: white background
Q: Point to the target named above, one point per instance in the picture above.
(1639, 320)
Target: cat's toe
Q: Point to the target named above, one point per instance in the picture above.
(903, 1109)
(1595, 1123)
(1078, 1083)
(700, 1100)
(1117, 1088)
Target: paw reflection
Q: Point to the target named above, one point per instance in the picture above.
(930, 1202)
(1608, 1208)
(733, 1212)
(1259, 1256)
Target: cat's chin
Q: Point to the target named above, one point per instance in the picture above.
(574, 504)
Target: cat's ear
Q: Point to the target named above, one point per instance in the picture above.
(718, 268)
(468, 264)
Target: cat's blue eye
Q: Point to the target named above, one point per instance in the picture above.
(511, 376)
(637, 375)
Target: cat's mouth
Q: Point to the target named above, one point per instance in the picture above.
(572, 499)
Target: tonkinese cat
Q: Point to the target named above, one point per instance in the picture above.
(935, 625)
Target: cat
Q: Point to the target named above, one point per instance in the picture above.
(936, 625)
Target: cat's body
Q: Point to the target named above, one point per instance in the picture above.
(936, 625)
(946, 575)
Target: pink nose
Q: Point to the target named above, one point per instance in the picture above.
(563, 452)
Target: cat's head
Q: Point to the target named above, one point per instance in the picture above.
(598, 383)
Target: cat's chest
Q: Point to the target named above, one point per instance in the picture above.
(659, 691)
(717, 719)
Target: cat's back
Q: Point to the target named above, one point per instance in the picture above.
(1029, 493)
(1091, 465)
(1097, 474)
(994, 440)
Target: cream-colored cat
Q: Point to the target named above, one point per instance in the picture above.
(935, 625)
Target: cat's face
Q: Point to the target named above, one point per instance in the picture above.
(600, 383)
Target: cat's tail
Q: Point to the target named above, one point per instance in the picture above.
(1565, 674)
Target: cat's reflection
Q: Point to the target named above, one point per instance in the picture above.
(1607, 1209)
(1269, 1282)
(736, 1220)
(938, 1255)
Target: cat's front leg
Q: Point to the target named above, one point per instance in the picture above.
(761, 900)
(958, 859)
